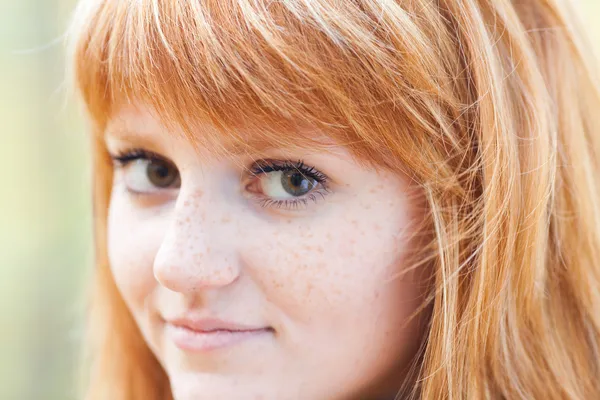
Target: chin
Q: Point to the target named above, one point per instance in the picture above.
(207, 386)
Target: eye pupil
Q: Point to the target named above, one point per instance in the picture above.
(296, 184)
(162, 174)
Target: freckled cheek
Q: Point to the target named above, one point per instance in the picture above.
(325, 268)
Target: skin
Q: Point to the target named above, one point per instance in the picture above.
(330, 279)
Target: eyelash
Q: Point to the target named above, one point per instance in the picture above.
(122, 159)
(125, 157)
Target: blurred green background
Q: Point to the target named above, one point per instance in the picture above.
(45, 208)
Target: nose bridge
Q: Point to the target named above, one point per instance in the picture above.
(194, 253)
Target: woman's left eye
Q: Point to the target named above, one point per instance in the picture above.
(283, 184)
(286, 184)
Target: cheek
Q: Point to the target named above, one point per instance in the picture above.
(133, 241)
(342, 286)
(339, 269)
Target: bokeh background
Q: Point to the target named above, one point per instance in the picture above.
(45, 203)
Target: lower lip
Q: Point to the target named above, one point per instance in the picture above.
(197, 341)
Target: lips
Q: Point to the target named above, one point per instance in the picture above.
(212, 324)
(204, 335)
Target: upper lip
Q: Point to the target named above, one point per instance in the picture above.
(212, 324)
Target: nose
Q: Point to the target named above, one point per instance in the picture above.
(196, 253)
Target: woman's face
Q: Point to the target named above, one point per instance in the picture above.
(283, 277)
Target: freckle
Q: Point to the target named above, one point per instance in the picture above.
(320, 249)
(187, 219)
(289, 221)
(225, 219)
(354, 222)
(309, 289)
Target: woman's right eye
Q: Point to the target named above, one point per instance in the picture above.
(147, 173)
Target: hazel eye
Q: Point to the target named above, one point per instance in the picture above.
(286, 184)
(282, 184)
(145, 173)
(161, 174)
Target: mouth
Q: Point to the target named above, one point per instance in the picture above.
(204, 335)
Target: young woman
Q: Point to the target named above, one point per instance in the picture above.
(357, 199)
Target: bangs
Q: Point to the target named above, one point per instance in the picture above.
(266, 66)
